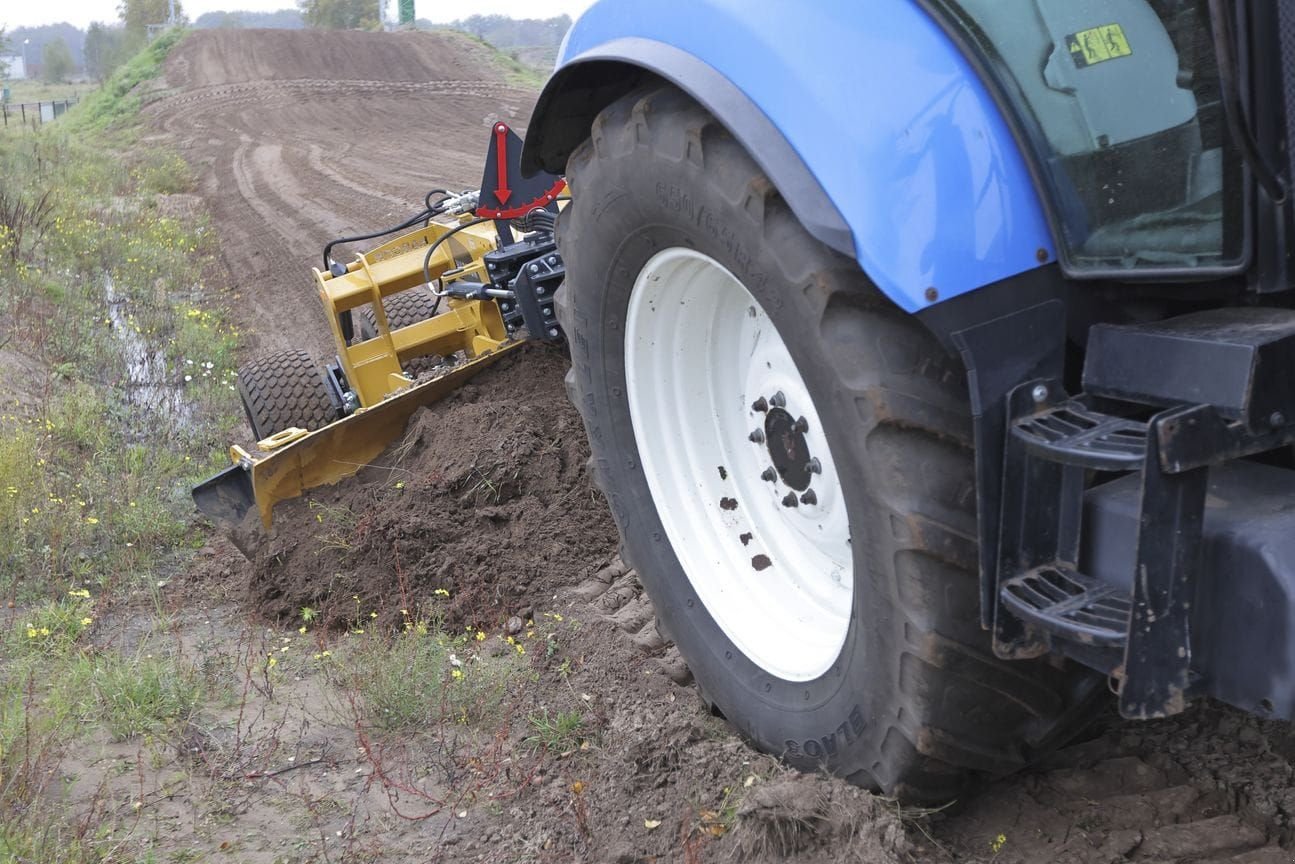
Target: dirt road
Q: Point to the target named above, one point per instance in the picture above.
(299, 137)
(302, 137)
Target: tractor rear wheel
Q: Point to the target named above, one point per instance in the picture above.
(403, 309)
(284, 390)
(789, 460)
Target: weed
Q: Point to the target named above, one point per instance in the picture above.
(422, 675)
(145, 694)
(558, 734)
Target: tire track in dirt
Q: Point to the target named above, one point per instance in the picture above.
(1209, 786)
(298, 137)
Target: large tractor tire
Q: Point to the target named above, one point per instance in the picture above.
(789, 460)
(284, 390)
(403, 309)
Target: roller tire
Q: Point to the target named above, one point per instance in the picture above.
(916, 704)
(284, 390)
(403, 309)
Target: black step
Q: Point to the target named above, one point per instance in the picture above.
(1066, 603)
(1073, 434)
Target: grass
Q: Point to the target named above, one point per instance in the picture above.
(515, 71)
(422, 676)
(118, 101)
(39, 91)
(127, 370)
(558, 734)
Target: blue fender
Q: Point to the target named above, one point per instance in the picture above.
(866, 116)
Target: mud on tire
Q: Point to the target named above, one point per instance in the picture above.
(915, 704)
(284, 390)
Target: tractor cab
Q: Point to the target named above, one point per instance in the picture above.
(1126, 112)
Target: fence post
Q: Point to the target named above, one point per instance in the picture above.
(23, 106)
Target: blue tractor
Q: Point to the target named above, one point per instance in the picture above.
(937, 359)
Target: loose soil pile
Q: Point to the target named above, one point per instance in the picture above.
(487, 497)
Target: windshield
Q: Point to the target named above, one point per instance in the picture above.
(1120, 102)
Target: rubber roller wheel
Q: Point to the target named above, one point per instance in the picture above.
(403, 309)
(285, 390)
(790, 460)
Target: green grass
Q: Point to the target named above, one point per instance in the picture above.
(423, 676)
(558, 734)
(39, 91)
(515, 71)
(94, 474)
(118, 100)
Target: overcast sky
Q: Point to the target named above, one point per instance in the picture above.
(14, 13)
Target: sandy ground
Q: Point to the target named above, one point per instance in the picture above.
(298, 137)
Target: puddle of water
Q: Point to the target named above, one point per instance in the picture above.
(151, 386)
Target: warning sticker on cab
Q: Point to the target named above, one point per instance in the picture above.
(1089, 47)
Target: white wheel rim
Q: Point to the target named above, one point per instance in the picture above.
(699, 352)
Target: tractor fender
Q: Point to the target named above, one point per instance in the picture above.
(867, 117)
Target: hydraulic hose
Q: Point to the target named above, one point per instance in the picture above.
(428, 212)
(431, 250)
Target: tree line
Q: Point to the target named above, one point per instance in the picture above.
(56, 52)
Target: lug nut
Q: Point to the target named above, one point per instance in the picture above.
(760, 405)
(789, 500)
(769, 474)
(813, 466)
(802, 425)
(778, 400)
(809, 498)
(757, 436)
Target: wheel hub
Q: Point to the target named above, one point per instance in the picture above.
(788, 449)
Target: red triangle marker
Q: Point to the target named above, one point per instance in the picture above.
(502, 192)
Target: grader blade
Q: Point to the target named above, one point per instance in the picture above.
(263, 477)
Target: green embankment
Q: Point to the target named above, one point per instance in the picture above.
(118, 364)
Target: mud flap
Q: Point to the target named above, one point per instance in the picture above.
(325, 456)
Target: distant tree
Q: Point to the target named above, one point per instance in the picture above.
(56, 62)
(340, 14)
(282, 19)
(4, 49)
(39, 37)
(137, 15)
(104, 50)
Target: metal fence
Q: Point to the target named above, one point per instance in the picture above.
(34, 113)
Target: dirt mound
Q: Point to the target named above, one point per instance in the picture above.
(487, 497)
(212, 57)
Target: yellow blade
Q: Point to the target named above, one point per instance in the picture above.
(326, 455)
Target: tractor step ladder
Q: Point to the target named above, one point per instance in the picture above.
(1045, 601)
(1055, 597)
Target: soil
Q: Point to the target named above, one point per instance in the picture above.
(302, 135)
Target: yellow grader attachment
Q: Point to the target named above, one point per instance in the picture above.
(316, 426)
